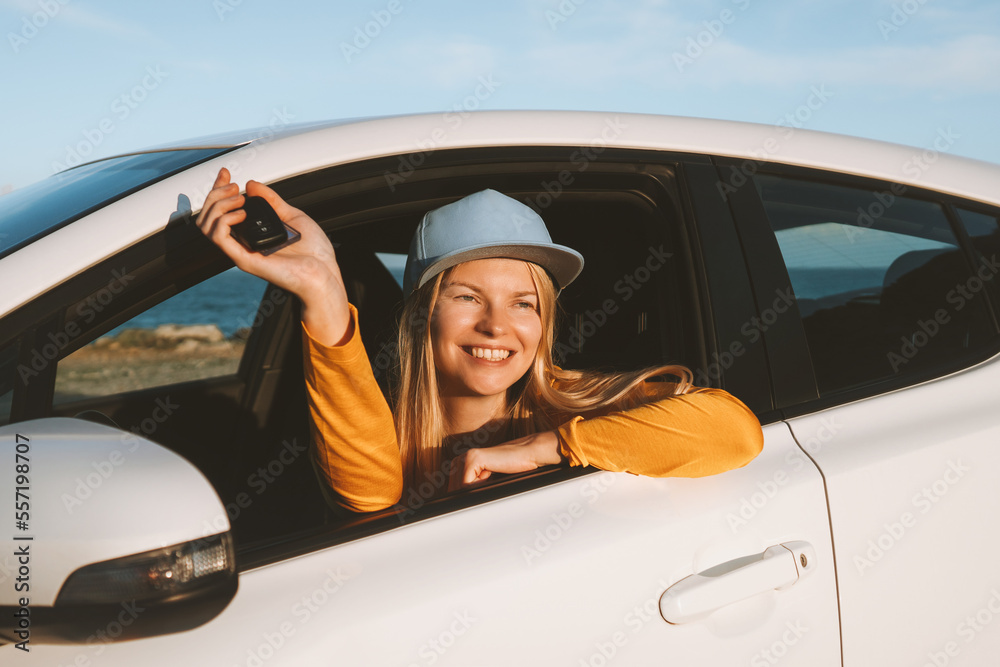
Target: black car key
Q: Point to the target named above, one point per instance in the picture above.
(262, 229)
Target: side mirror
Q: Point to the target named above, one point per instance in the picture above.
(111, 537)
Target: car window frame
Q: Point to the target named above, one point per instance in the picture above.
(43, 315)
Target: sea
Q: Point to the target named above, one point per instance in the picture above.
(229, 300)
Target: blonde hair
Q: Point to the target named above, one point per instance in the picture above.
(543, 399)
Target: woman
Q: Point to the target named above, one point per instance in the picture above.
(478, 391)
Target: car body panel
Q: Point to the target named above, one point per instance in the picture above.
(566, 574)
(911, 479)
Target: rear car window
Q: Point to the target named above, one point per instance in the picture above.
(881, 284)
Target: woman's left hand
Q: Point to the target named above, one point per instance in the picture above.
(521, 455)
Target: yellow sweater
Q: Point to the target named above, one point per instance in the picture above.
(701, 433)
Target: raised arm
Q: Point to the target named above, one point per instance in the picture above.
(307, 268)
(356, 451)
(353, 435)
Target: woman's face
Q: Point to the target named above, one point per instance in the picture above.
(485, 328)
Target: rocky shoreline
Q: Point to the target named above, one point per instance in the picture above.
(141, 358)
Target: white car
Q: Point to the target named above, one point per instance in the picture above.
(165, 507)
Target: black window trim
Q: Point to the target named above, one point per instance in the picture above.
(951, 207)
(791, 370)
(741, 362)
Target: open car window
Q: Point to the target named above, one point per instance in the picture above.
(230, 397)
(633, 306)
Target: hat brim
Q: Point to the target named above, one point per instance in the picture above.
(563, 264)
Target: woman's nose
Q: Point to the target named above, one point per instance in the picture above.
(492, 322)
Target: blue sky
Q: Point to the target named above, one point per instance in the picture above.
(108, 77)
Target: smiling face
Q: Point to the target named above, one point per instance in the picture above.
(485, 328)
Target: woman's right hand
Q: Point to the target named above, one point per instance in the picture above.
(307, 268)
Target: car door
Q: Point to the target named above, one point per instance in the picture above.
(562, 565)
(894, 286)
(568, 574)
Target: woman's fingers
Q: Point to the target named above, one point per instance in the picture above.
(467, 468)
(223, 198)
(520, 455)
(473, 475)
(220, 189)
(222, 178)
(475, 465)
(220, 216)
(223, 208)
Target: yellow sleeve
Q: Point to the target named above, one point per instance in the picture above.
(701, 433)
(354, 439)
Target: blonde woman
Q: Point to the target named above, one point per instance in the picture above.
(477, 391)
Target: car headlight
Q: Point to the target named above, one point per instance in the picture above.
(153, 575)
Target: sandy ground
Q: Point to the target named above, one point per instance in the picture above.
(113, 368)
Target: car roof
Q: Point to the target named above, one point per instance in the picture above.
(933, 167)
(281, 150)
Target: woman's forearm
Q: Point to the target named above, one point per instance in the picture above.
(696, 434)
(325, 312)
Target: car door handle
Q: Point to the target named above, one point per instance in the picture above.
(698, 595)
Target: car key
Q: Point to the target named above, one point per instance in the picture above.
(262, 229)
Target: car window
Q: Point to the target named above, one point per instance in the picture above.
(395, 263)
(881, 284)
(197, 334)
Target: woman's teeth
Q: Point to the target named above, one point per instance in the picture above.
(489, 354)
